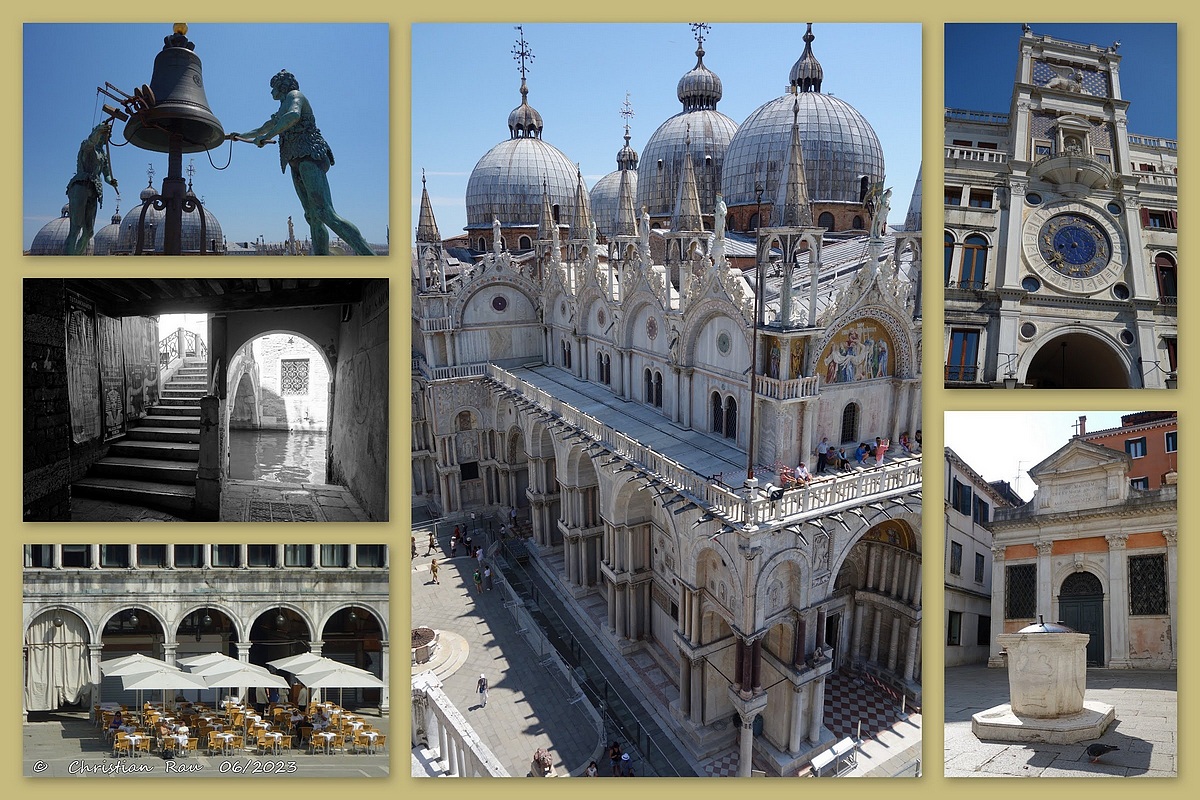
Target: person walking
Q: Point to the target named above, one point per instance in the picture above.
(454, 544)
(614, 759)
(433, 568)
(414, 555)
(487, 577)
(478, 579)
(432, 544)
(481, 686)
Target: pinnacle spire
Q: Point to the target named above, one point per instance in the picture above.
(795, 210)
(581, 219)
(687, 201)
(427, 229)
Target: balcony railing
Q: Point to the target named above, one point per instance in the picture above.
(1157, 179)
(962, 153)
(440, 727)
(461, 371)
(987, 117)
(181, 343)
(1153, 141)
(971, 286)
(962, 373)
(435, 324)
(793, 389)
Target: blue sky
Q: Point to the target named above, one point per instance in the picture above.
(1148, 71)
(342, 69)
(1014, 441)
(465, 83)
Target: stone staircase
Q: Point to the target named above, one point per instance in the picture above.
(154, 463)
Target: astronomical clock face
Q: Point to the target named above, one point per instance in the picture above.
(1074, 245)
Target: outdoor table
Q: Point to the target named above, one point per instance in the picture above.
(356, 724)
(327, 736)
(277, 736)
(133, 739)
(226, 741)
(370, 737)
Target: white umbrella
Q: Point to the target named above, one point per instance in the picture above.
(205, 659)
(294, 663)
(322, 664)
(164, 677)
(339, 675)
(131, 665)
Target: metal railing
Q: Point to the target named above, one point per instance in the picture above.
(961, 372)
(181, 343)
(965, 115)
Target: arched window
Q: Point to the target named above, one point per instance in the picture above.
(554, 211)
(600, 368)
(464, 421)
(482, 244)
(949, 239)
(648, 386)
(1081, 584)
(607, 370)
(858, 223)
(566, 354)
(1164, 268)
(658, 389)
(753, 226)
(825, 221)
(525, 243)
(850, 423)
(730, 418)
(718, 414)
(974, 266)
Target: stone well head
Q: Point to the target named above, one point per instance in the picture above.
(1047, 669)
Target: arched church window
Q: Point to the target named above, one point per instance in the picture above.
(718, 414)
(525, 243)
(482, 244)
(607, 370)
(657, 389)
(825, 221)
(731, 419)
(974, 266)
(464, 421)
(850, 423)
(648, 386)
(858, 223)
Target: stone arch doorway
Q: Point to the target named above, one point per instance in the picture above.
(1077, 361)
(1081, 606)
(57, 666)
(280, 385)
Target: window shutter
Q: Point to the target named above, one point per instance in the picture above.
(1145, 217)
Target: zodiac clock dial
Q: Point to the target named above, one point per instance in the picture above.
(1074, 245)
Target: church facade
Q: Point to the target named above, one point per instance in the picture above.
(1060, 240)
(642, 403)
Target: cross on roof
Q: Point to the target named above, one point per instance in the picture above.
(521, 51)
(699, 30)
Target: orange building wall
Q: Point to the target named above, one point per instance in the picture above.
(1156, 461)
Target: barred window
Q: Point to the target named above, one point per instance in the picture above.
(293, 376)
(1147, 585)
(1020, 591)
(955, 558)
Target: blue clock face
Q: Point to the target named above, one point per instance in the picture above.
(1074, 245)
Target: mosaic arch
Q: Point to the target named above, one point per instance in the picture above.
(860, 351)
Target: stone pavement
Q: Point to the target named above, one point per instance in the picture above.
(1145, 729)
(242, 501)
(65, 744)
(529, 706)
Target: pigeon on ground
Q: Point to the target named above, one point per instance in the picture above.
(1095, 751)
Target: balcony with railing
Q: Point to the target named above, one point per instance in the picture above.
(962, 373)
(983, 155)
(1163, 179)
(985, 117)
(1064, 169)
(792, 389)
(436, 324)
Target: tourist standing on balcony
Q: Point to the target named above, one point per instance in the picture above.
(822, 455)
(881, 447)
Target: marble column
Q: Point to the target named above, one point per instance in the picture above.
(798, 727)
(685, 685)
(1045, 590)
(1172, 537)
(894, 645)
(910, 658)
(876, 630)
(1118, 600)
(817, 715)
(745, 745)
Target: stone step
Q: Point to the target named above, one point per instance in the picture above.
(181, 394)
(155, 420)
(176, 411)
(186, 401)
(172, 451)
(145, 469)
(162, 434)
(170, 496)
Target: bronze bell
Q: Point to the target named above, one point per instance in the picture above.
(175, 103)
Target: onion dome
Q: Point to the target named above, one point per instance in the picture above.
(661, 166)
(507, 183)
(839, 145)
(807, 73)
(49, 241)
(605, 195)
(105, 240)
(127, 240)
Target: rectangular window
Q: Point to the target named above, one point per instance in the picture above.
(297, 555)
(77, 556)
(1041, 149)
(1170, 441)
(1139, 483)
(260, 555)
(152, 555)
(955, 558)
(983, 633)
(954, 629)
(225, 555)
(1105, 158)
(114, 556)
(39, 555)
(979, 566)
(988, 146)
(1158, 219)
(1147, 585)
(189, 556)
(981, 510)
(1136, 448)
(964, 349)
(954, 195)
(293, 376)
(335, 555)
(960, 497)
(961, 142)
(1020, 591)
(371, 555)
(469, 471)
(981, 198)
(1168, 286)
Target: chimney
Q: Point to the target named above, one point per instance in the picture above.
(1082, 425)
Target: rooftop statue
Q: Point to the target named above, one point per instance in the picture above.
(85, 192)
(302, 146)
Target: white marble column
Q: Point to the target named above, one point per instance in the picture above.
(1118, 600)
(1045, 591)
(817, 711)
(1172, 537)
(998, 589)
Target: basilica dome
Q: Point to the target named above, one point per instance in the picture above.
(700, 129)
(50, 239)
(105, 240)
(508, 182)
(838, 143)
(605, 193)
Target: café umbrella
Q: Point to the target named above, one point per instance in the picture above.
(342, 676)
(163, 677)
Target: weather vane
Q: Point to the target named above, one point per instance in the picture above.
(521, 51)
(699, 30)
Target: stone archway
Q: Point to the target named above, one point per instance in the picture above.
(57, 664)
(1078, 360)
(1081, 606)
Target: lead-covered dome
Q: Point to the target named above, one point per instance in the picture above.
(49, 241)
(709, 132)
(605, 194)
(507, 183)
(838, 143)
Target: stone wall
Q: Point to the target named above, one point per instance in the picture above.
(280, 408)
(47, 415)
